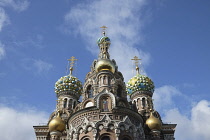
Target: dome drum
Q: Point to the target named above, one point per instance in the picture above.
(133, 95)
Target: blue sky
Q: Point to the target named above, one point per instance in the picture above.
(171, 37)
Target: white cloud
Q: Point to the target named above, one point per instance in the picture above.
(18, 124)
(3, 18)
(124, 21)
(42, 66)
(2, 51)
(36, 42)
(192, 120)
(18, 5)
(163, 97)
(38, 66)
(195, 127)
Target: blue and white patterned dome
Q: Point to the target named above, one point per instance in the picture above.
(68, 83)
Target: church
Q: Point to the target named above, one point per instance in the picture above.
(100, 109)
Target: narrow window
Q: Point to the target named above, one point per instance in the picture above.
(143, 103)
(89, 91)
(65, 103)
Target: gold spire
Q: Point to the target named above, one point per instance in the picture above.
(71, 64)
(136, 59)
(103, 30)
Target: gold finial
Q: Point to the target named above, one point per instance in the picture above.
(72, 63)
(103, 30)
(136, 59)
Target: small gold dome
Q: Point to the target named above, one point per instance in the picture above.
(105, 64)
(57, 124)
(153, 122)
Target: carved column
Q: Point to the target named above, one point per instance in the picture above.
(117, 133)
(94, 133)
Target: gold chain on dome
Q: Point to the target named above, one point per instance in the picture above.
(71, 63)
(136, 61)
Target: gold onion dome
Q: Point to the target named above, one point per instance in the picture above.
(105, 64)
(153, 122)
(139, 83)
(57, 124)
(68, 83)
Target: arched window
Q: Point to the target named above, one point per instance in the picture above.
(105, 138)
(65, 103)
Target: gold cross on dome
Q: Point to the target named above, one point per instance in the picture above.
(104, 29)
(72, 63)
(136, 60)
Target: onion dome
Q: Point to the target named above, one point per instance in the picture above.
(105, 64)
(140, 83)
(153, 122)
(103, 39)
(68, 83)
(57, 124)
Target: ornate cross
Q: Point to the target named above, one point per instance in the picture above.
(103, 30)
(72, 63)
(136, 60)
